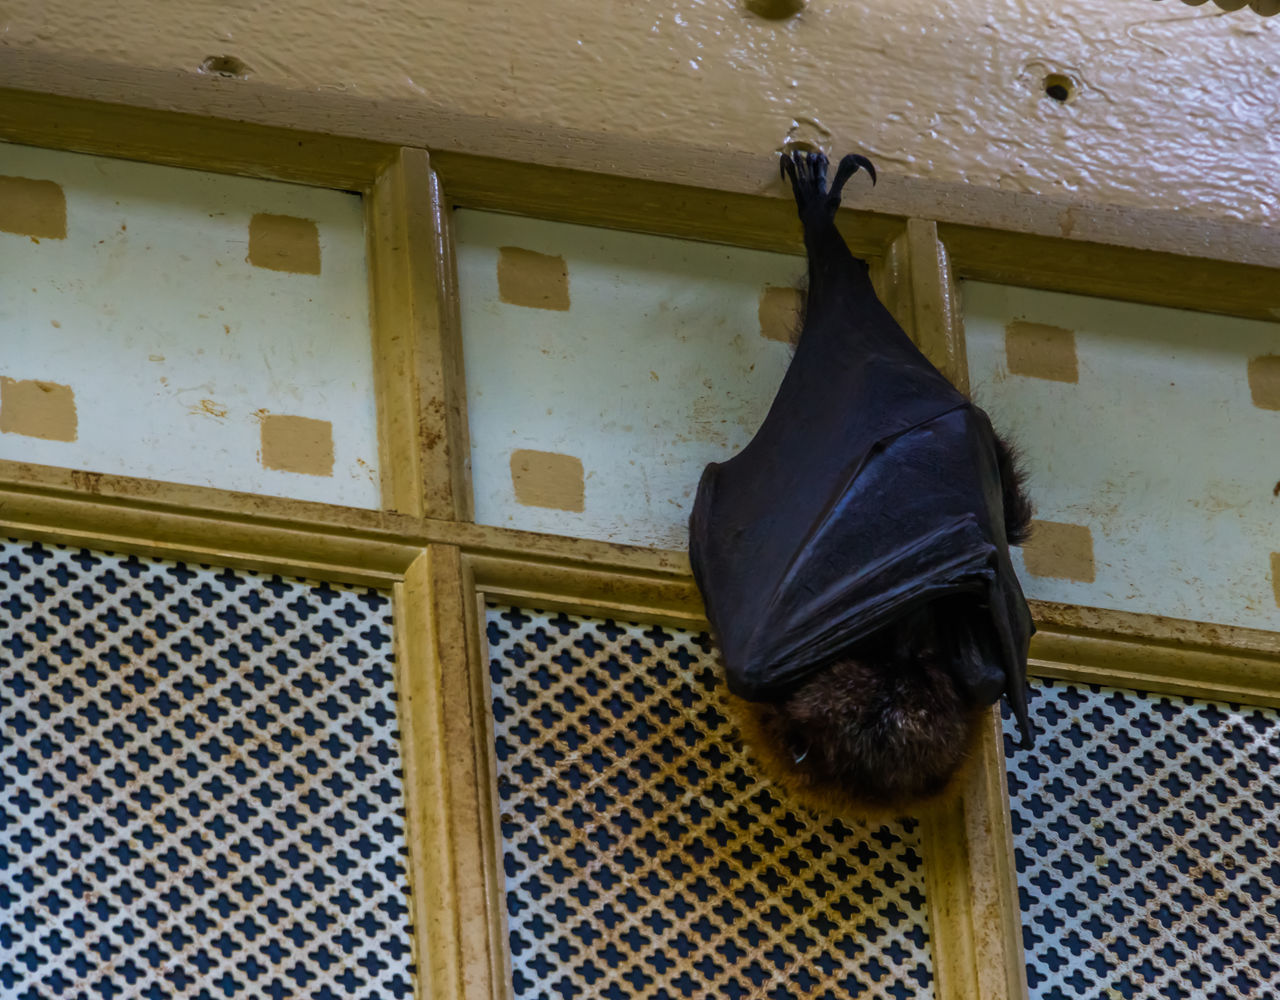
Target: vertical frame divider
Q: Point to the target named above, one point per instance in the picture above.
(424, 454)
(424, 451)
(481, 879)
(967, 836)
(423, 617)
(455, 876)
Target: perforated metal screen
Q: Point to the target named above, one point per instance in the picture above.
(644, 855)
(1148, 846)
(200, 790)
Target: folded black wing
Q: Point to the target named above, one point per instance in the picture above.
(871, 488)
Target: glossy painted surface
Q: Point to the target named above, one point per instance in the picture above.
(1169, 106)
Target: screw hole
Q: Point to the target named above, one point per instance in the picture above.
(1059, 87)
(775, 10)
(228, 66)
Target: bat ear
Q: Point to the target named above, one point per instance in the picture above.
(848, 167)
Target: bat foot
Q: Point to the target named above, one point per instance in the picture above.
(807, 172)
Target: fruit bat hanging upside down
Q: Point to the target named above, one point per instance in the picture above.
(854, 556)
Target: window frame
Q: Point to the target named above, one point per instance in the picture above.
(442, 568)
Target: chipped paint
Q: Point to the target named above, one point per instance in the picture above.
(531, 279)
(1264, 381)
(547, 479)
(297, 444)
(1060, 550)
(37, 409)
(1039, 350)
(33, 208)
(780, 312)
(284, 243)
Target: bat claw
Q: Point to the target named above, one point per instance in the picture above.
(807, 172)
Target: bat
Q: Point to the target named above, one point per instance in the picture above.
(854, 556)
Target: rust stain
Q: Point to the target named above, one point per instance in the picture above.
(1060, 550)
(284, 243)
(1041, 351)
(548, 479)
(33, 208)
(707, 424)
(531, 279)
(779, 313)
(1264, 381)
(38, 409)
(1275, 576)
(208, 408)
(296, 444)
(86, 482)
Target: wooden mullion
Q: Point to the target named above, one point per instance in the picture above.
(422, 433)
(967, 838)
(433, 646)
(481, 879)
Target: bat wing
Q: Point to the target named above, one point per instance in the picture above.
(871, 489)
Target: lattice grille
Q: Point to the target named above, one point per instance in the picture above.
(200, 793)
(645, 857)
(1147, 831)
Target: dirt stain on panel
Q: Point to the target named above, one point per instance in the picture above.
(37, 409)
(531, 279)
(779, 313)
(208, 408)
(1275, 576)
(33, 208)
(1264, 381)
(1060, 550)
(547, 479)
(297, 444)
(284, 243)
(1041, 351)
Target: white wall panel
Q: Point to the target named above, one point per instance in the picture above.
(1165, 447)
(176, 349)
(652, 362)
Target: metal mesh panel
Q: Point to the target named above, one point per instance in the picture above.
(1147, 831)
(200, 793)
(645, 857)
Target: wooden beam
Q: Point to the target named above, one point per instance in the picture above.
(424, 452)
(1041, 241)
(183, 139)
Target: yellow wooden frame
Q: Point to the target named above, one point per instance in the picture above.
(441, 567)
